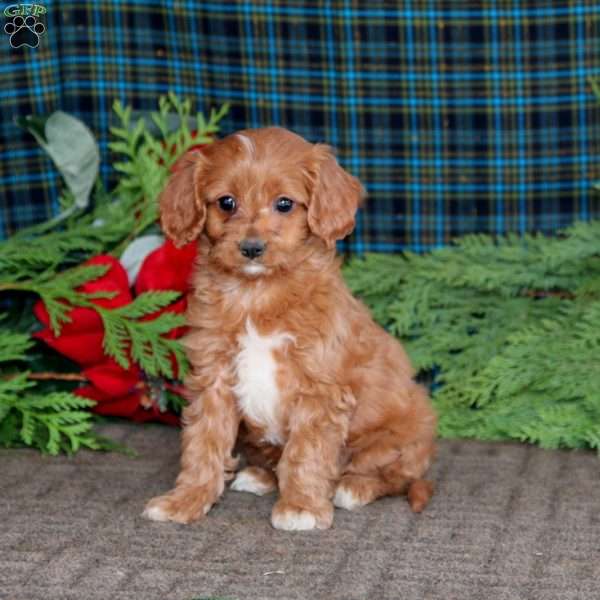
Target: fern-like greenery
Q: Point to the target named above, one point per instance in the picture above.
(52, 422)
(123, 331)
(508, 329)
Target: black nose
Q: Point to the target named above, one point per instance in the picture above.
(252, 248)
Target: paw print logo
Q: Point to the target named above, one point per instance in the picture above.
(24, 31)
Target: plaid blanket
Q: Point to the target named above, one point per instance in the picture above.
(458, 116)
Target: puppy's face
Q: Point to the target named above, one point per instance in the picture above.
(262, 198)
(256, 200)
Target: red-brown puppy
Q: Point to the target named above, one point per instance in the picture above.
(283, 358)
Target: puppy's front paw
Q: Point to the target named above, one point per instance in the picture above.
(181, 505)
(288, 517)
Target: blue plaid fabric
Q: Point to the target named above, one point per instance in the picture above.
(458, 116)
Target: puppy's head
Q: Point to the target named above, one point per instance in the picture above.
(261, 197)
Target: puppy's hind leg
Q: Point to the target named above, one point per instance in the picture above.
(381, 470)
(254, 480)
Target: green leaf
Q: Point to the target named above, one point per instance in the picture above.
(73, 149)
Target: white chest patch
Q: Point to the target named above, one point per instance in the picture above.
(256, 387)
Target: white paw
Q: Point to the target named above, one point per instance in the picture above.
(294, 520)
(155, 513)
(344, 498)
(247, 481)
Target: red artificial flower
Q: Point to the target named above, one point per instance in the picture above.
(118, 391)
(115, 389)
(167, 268)
(111, 380)
(81, 338)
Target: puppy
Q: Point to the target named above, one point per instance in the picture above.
(284, 360)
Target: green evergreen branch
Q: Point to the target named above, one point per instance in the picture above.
(125, 332)
(13, 346)
(52, 421)
(508, 328)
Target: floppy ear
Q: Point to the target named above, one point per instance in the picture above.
(182, 212)
(335, 195)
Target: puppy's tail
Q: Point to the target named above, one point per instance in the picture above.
(419, 493)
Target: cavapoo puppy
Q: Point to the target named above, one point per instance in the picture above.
(285, 362)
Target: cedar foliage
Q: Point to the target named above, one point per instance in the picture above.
(506, 329)
(52, 422)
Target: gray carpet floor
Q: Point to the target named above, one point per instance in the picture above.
(508, 521)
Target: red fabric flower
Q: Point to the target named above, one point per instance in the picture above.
(121, 392)
(111, 380)
(115, 389)
(167, 268)
(118, 391)
(81, 338)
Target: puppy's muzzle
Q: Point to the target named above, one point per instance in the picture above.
(252, 248)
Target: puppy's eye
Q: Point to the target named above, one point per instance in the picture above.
(284, 204)
(227, 203)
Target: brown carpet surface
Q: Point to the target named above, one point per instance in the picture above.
(508, 521)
